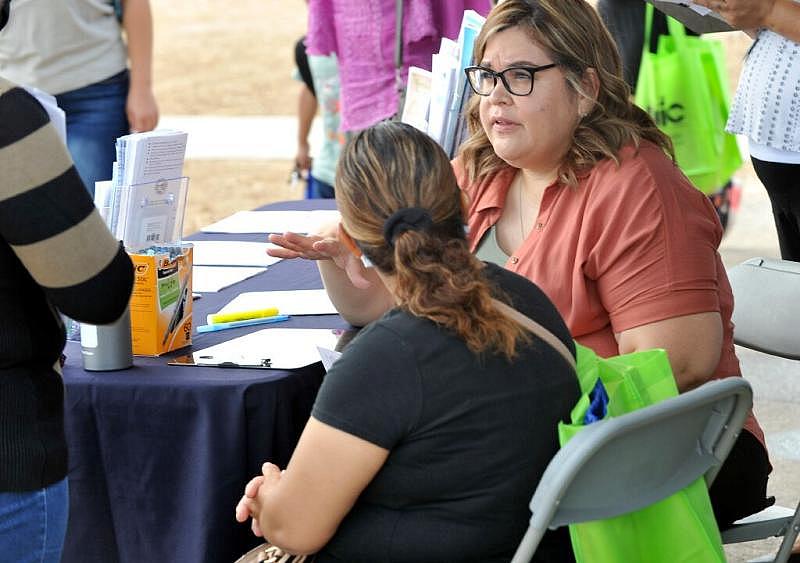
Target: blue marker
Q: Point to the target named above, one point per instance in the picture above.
(237, 324)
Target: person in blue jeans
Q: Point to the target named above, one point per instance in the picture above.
(102, 81)
(36, 521)
(46, 265)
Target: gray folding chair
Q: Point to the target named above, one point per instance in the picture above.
(612, 467)
(767, 315)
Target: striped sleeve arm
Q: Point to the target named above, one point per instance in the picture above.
(49, 220)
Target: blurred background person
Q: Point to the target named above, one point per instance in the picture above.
(363, 35)
(75, 50)
(319, 89)
(625, 20)
(766, 106)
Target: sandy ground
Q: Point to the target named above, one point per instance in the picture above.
(236, 58)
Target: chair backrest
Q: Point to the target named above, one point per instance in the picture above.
(766, 310)
(623, 464)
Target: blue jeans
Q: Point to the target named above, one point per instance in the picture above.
(317, 189)
(33, 524)
(95, 118)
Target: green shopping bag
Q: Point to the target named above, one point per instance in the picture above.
(678, 529)
(684, 88)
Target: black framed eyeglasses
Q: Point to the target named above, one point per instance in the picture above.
(518, 80)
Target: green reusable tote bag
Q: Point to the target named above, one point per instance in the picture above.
(678, 529)
(684, 88)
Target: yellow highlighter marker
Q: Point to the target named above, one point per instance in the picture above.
(242, 315)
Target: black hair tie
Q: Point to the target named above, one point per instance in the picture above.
(406, 219)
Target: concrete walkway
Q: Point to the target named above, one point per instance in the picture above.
(241, 138)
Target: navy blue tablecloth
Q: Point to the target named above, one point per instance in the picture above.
(159, 455)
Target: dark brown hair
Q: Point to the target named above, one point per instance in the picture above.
(393, 167)
(576, 39)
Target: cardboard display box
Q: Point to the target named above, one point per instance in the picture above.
(161, 304)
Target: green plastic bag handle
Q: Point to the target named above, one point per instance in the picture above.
(676, 30)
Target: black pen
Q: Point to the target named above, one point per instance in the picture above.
(177, 315)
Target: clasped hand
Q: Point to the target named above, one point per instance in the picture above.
(249, 506)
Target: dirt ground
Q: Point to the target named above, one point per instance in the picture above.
(236, 58)
(214, 58)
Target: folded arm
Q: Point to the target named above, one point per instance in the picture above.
(300, 508)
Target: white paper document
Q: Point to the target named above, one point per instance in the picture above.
(279, 348)
(273, 221)
(57, 116)
(444, 66)
(471, 24)
(291, 302)
(151, 156)
(148, 197)
(418, 98)
(151, 213)
(210, 279)
(232, 253)
(328, 357)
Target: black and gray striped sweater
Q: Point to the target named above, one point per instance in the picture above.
(56, 254)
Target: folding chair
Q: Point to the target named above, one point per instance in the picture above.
(766, 311)
(611, 467)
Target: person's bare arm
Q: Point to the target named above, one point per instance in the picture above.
(358, 305)
(300, 509)
(306, 110)
(693, 344)
(141, 107)
(780, 16)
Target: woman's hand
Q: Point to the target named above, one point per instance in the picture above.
(141, 109)
(293, 245)
(246, 507)
(743, 14)
(319, 247)
(249, 506)
(357, 292)
(781, 16)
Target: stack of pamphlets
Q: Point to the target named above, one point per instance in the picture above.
(435, 100)
(145, 200)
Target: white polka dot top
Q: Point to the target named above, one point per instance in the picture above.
(766, 106)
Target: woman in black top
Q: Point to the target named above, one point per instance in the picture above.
(432, 430)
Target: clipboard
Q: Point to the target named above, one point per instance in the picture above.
(269, 348)
(683, 12)
(188, 360)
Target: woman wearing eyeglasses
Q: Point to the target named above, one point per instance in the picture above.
(575, 188)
